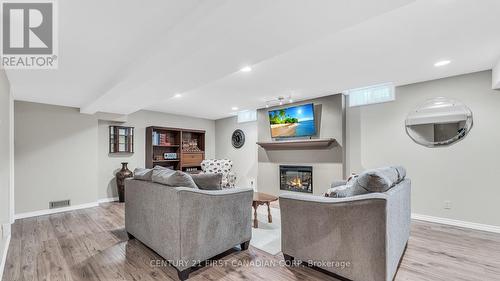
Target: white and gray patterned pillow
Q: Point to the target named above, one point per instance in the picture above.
(220, 166)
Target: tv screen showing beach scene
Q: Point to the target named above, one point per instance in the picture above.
(297, 121)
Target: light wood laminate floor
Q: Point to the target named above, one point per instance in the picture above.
(91, 244)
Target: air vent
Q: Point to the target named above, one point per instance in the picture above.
(59, 204)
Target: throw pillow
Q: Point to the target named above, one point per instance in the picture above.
(143, 174)
(208, 181)
(179, 178)
(351, 188)
(161, 175)
(336, 191)
(379, 180)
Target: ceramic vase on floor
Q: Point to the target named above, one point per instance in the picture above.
(120, 180)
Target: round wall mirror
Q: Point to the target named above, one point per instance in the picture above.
(439, 122)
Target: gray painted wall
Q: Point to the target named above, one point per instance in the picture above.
(245, 158)
(62, 154)
(56, 156)
(109, 164)
(5, 157)
(463, 173)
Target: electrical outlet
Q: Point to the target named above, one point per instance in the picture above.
(251, 181)
(447, 205)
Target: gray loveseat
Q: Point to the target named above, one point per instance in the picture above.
(361, 238)
(186, 225)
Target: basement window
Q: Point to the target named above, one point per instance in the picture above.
(371, 94)
(247, 116)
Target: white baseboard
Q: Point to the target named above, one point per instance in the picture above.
(65, 209)
(55, 211)
(464, 224)
(107, 200)
(4, 256)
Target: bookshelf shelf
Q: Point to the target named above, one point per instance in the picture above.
(175, 145)
(162, 140)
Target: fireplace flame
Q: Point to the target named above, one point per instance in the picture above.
(296, 182)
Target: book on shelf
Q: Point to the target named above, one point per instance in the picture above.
(156, 138)
(160, 139)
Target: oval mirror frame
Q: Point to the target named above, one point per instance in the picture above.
(439, 122)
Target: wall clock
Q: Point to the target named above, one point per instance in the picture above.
(238, 138)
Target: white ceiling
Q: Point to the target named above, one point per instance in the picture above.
(117, 56)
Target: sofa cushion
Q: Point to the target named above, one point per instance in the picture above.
(143, 174)
(208, 181)
(381, 179)
(351, 188)
(401, 173)
(179, 178)
(337, 183)
(161, 175)
(172, 178)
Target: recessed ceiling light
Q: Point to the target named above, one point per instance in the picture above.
(246, 69)
(442, 63)
(234, 108)
(177, 95)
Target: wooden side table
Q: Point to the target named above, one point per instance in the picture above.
(260, 198)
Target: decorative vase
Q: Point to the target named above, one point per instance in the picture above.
(120, 180)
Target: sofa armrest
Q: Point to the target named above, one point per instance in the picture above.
(152, 216)
(323, 229)
(212, 222)
(398, 223)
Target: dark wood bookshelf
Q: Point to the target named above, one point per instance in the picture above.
(188, 144)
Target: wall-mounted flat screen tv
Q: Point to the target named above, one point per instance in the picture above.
(297, 121)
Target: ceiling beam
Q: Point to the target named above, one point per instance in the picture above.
(218, 38)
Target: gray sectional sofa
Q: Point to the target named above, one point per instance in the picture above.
(187, 225)
(361, 237)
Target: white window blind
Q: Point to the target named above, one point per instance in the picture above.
(372, 94)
